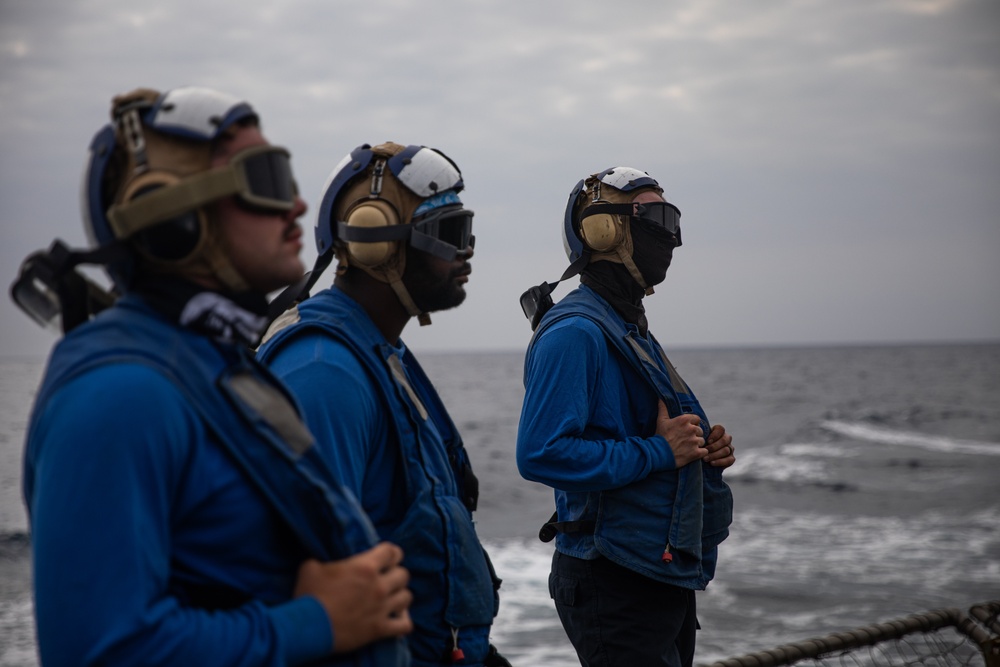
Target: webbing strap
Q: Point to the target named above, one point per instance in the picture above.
(548, 531)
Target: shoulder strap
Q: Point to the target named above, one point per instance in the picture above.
(577, 304)
(386, 358)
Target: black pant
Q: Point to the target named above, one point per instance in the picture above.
(617, 617)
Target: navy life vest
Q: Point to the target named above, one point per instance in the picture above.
(684, 512)
(453, 582)
(250, 414)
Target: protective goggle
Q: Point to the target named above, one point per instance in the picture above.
(662, 215)
(444, 232)
(260, 177)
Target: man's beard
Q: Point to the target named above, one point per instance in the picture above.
(430, 290)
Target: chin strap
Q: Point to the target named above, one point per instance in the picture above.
(391, 272)
(626, 259)
(395, 281)
(299, 290)
(537, 300)
(622, 253)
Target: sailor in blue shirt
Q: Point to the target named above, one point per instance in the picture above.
(179, 514)
(608, 422)
(392, 217)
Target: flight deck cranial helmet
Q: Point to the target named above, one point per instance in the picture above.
(149, 180)
(596, 228)
(598, 212)
(378, 197)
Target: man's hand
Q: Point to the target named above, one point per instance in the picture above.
(365, 596)
(683, 434)
(720, 448)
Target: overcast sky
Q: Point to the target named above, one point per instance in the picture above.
(836, 162)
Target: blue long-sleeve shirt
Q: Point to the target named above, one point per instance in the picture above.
(588, 421)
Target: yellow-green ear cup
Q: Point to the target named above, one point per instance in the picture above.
(373, 213)
(601, 232)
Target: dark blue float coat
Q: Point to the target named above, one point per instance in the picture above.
(170, 508)
(383, 429)
(592, 386)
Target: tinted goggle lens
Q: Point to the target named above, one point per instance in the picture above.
(662, 215)
(267, 178)
(444, 232)
(455, 230)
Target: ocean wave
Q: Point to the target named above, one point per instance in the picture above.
(14, 545)
(890, 436)
(783, 549)
(800, 464)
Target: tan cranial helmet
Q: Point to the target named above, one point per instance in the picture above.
(370, 202)
(149, 180)
(607, 234)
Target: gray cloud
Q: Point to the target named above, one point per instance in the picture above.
(836, 162)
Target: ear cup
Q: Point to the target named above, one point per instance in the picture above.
(373, 213)
(601, 232)
(171, 240)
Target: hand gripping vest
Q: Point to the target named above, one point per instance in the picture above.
(248, 412)
(453, 583)
(684, 513)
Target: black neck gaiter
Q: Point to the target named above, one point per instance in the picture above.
(652, 253)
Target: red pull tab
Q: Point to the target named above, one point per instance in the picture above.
(457, 654)
(667, 557)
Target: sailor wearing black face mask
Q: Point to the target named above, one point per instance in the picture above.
(610, 425)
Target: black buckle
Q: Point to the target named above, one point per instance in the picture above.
(49, 289)
(535, 302)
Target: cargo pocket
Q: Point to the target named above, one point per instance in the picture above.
(563, 590)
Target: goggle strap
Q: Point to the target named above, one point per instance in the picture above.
(173, 200)
(355, 234)
(192, 193)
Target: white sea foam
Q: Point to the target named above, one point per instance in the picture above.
(789, 463)
(862, 568)
(785, 549)
(909, 439)
(17, 647)
(816, 450)
(527, 630)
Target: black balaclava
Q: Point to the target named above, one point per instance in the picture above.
(652, 252)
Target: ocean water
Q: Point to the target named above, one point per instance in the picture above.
(867, 488)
